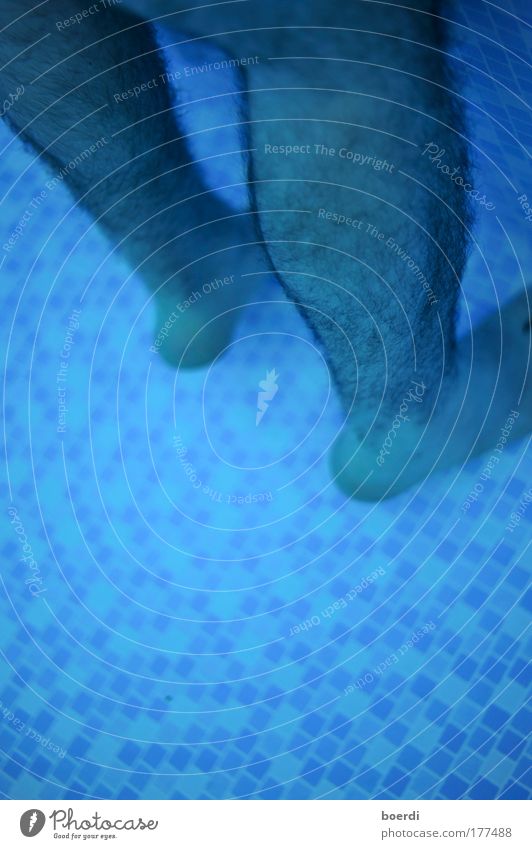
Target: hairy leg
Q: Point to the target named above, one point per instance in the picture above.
(348, 111)
(142, 186)
(346, 108)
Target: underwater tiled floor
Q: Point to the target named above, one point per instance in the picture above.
(163, 659)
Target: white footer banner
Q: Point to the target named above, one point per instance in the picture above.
(267, 824)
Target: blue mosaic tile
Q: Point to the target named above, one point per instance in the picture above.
(160, 658)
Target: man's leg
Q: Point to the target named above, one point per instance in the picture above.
(92, 75)
(346, 109)
(356, 131)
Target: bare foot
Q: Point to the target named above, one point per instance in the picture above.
(484, 401)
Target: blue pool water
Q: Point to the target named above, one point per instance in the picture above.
(180, 546)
